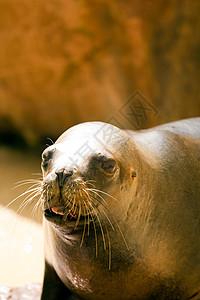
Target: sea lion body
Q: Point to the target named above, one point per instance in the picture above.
(122, 213)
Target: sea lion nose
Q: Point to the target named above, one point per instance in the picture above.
(63, 175)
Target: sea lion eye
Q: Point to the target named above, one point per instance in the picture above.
(46, 156)
(109, 166)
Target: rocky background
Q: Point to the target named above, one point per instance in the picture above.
(132, 63)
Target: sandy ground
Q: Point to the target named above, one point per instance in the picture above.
(21, 236)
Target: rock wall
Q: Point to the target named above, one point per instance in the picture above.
(63, 62)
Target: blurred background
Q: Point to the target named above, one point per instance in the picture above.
(134, 64)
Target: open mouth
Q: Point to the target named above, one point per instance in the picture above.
(57, 213)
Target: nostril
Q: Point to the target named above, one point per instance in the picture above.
(63, 175)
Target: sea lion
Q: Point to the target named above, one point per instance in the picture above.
(122, 213)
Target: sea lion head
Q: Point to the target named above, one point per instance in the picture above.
(84, 173)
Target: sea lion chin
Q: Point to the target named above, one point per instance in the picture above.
(121, 213)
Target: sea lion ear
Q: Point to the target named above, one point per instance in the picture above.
(133, 173)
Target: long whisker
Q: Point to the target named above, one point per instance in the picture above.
(37, 204)
(97, 194)
(79, 214)
(52, 142)
(25, 182)
(95, 199)
(113, 219)
(105, 214)
(121, 232)
(21, 195)
(27, 200)
(95, 231)
(109, 250)
(87, 209)
(37, 174)
(98, 201)
(89, 182)
(101, 227)
(108, 237)
(29, 180)
(69, 195)
(85, 222)
(96, 190)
